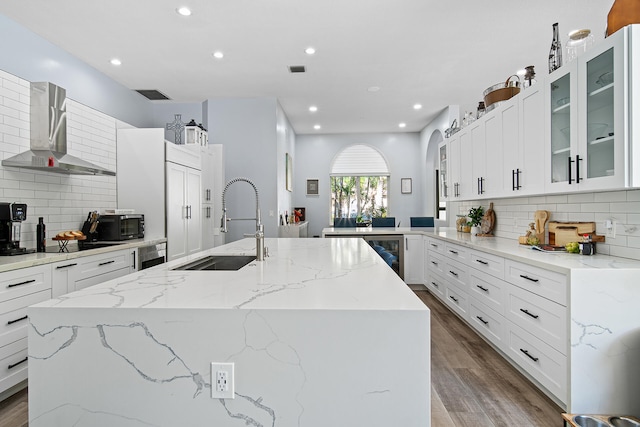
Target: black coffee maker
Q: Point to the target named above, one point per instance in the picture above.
(11, 217)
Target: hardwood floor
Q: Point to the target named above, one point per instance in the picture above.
(471, 385)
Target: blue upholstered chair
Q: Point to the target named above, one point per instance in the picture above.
(344, 222)
(389, 221)
(421, 221)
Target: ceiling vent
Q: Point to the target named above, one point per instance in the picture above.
(297, 68)
(152, 94)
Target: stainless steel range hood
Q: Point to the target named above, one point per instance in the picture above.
(49, 136)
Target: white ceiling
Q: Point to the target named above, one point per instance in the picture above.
(431, 52)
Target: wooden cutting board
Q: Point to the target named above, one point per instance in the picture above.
(488, 222)
(561, 233)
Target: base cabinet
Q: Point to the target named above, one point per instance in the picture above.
(413, 259)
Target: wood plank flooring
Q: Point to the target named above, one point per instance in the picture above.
(471, 385)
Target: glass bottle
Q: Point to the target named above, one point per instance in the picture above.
(41, 235)
(555, 53)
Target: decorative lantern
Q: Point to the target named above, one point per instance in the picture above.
(192, 133)
(204, 136)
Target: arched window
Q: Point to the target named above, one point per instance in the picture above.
(359, 182)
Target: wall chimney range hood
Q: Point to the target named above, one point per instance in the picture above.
(49, 136)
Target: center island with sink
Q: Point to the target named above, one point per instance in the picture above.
(320, 333)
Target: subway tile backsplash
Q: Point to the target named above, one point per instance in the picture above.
(621, 207)
(63, 200)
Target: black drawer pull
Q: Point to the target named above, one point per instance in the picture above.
(21, 283)
(435, 284)
(453, 273)
(482, 262)
(529, 278)
(434, 263)
(10, 322)
(535, 359)
(535, 316)
(484, 289)
(453, 252)
(434, 245)
(13, 365)
(106, 262)
(486, 322)
(67, 265)
(453, 298)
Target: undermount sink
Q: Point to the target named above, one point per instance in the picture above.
(218, 262)
(589, 421)
(623, 422)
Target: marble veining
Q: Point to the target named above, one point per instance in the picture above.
(588, 331)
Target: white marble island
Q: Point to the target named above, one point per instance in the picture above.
(321, 333)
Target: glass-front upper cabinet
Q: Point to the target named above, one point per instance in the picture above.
(587, 119)
(443, 172)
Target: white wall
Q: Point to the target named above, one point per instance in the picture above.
(315, 153)
(247, 129)
(62, 200)
(285, 142)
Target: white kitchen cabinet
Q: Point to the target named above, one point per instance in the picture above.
(492, 185)
(588, 131)
(478, 158)
(413, 259)
(18, 290)
(184, 227)
(524, 151)
(444, 170)
(212, 186)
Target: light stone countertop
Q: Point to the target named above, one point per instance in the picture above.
(8, 263)
(561, 262)
(299, 274)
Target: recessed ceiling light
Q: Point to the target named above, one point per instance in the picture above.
(317, 127)
(184, 11)
(417, 106)
(217, 54)
(313, 108)
(310, 51)
(373, 89)
(115, 61)
(402, 125)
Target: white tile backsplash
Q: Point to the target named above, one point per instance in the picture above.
(621, 207)
(63, 200)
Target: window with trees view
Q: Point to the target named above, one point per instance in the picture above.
(361, 197)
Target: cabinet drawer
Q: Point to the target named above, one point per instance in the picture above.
(457, 300)
(100, 264)
(13, 364)
(459, 253)
(17, 283)
(545, 319)
(457, 274)
(436, 285)
(434, 245)
(489, 323)
(436, 263)
(94, 280)
(491, 264)
(13, 316)
(548, 284)
(543, 363)
(488, 290)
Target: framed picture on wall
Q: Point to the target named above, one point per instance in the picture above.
(405, 185)
(289, 172)
(312, 187)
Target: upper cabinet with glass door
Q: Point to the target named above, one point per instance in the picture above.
(587, 127)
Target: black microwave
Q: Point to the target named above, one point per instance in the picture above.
(120, 227)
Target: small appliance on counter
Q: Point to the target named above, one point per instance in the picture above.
(11, 217)
(119, 227)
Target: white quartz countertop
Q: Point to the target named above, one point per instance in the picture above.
(561, 262)
(327, 274)
(8, 263)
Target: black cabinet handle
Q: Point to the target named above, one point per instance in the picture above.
(535, 359)
(434, 245)
(482, 262)
(569, 170)
(435, 284)
(484, 289)
(518, 171)
(453, 252)
(578, 160)
(133, 254)
(482, 320)
(513, 180)
(13, 365)
(529, 278)
(11, 322)
(525, 311)
(434, 263)
(106, 262)
(453, 273)
(453, 298)
(66, 265)
(13, 285)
